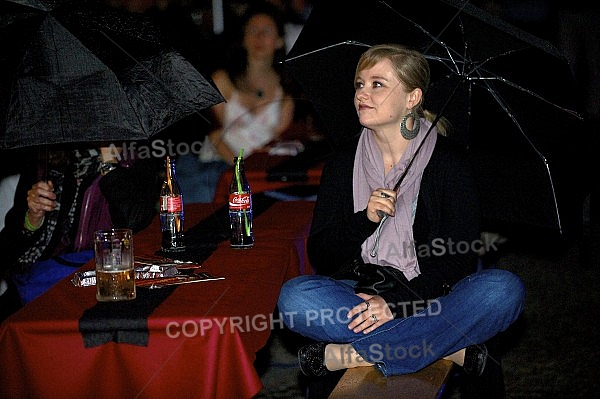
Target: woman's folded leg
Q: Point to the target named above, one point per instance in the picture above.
(479, 307)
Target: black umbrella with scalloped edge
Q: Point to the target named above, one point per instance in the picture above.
(82, 71)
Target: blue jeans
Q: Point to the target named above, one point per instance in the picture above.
(198, 180)
(479, 306)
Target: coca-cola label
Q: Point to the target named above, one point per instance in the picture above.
(171, 204)
(239, 201)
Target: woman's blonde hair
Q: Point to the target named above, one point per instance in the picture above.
(410, 67)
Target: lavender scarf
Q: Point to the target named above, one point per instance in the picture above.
(396, 243)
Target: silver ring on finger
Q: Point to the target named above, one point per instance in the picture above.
(368, 305)
(384, 195)
(374, 318)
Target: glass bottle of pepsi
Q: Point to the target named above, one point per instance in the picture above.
(171, 210)
(240, 207)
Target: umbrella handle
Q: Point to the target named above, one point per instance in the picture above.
(43, 166)
(384, 215)
(375, 248)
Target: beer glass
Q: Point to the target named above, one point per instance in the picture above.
(115, 273)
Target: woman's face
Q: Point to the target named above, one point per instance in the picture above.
(261, 38)
(380, 98)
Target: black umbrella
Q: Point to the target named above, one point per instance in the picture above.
(509, 95)
(81, 71)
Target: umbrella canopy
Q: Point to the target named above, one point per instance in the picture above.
(509, 96)
(81, 71)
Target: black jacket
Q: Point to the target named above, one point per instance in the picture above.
(447, 214)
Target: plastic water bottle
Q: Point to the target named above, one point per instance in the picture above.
(240, 207)
(171, 211)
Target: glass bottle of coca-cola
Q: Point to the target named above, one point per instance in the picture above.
(240, 207)
(171, 210)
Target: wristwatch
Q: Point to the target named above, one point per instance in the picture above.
(106, 167)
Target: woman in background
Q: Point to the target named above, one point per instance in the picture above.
(61, 199)
(258, 107)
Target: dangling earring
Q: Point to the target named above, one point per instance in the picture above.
(410, 134)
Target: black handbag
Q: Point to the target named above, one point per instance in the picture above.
(374, 279)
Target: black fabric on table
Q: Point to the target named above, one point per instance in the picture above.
(123, 321)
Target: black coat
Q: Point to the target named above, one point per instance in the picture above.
(447, 213)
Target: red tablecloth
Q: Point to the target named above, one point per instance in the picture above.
(203, 337)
